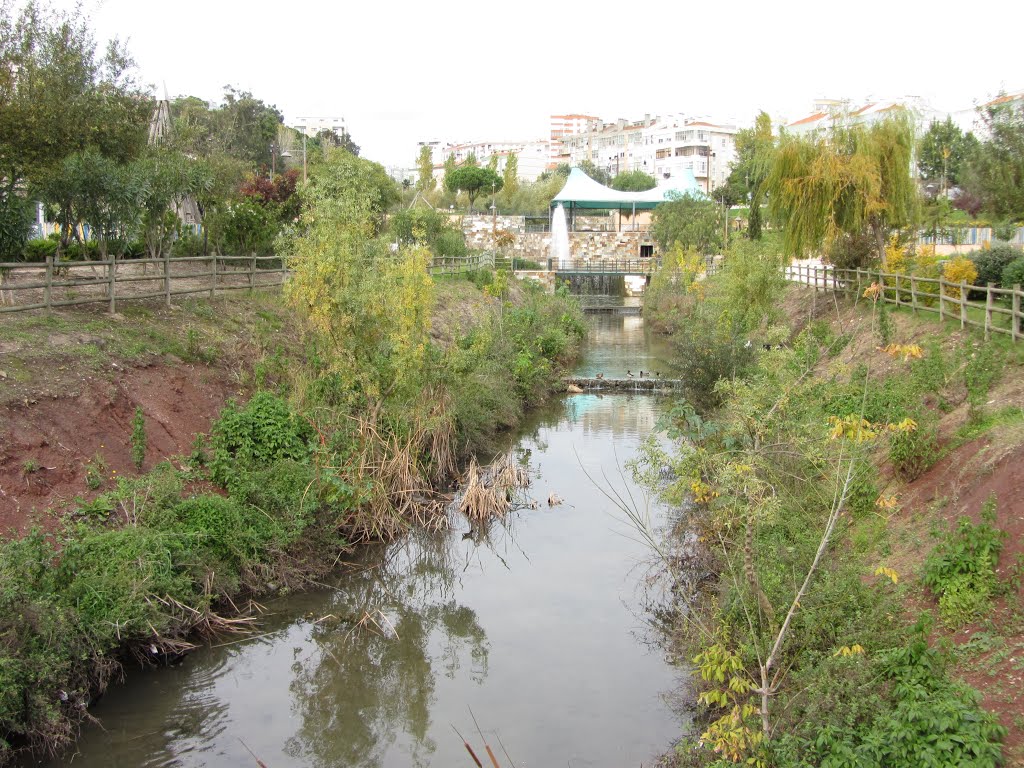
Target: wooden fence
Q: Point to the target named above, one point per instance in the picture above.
(996, 310)
(55, 284)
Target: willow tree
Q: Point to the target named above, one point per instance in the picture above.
(755, 147)
(852, 180)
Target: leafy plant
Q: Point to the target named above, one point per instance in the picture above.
(138, 438)
(960, 570)
(95, 472)
(912, 451)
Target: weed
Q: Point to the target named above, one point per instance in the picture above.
(138, 438)
(912, 452)
(30, 467)
(95, 472)
(960, 570)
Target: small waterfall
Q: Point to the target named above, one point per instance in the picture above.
(559, 251)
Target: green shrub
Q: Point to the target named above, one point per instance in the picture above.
(912, 452)
(37, 250)
(234, 534)
(853, 252)
(138, 438)
(265, 430)
(960, 570)
(991, 262)
(984, 364)
(1013, 273)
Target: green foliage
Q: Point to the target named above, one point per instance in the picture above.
(264, 431)
(1013, 273)
(425, 166)
(427, 227)
(885, 328)
(992, 262)
(597, 174)
(852, 251)
(856, 179)
(633, 181)
(913, 452)
(997, 167)
(95, 472)
(984, 365)
(689, 222)
(473, 180)
(944, 152)
(960, 570)
(138, 438)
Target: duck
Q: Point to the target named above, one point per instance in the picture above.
(599, 376)
(641, 374)
(629, 375)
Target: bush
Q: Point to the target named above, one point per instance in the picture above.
(264, 431)
(912, 452)
(959, 270)
(1013, 273)
(961, 568)
(991, 263)
(36, 251)
(852, 252)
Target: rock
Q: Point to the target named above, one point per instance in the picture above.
(572, 389)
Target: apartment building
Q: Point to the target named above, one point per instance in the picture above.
(563, 126)
(662, 147)
(531, 156)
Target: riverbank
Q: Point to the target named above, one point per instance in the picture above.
(842, 611)
(249, 501)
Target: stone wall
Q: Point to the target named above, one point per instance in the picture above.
(535, 246)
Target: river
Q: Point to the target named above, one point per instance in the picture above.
(537, 626)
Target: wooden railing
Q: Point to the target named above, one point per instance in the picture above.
(998, 312)
(56, 284)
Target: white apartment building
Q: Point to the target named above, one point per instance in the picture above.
(563, 126)
(531, 156)
(311, 126)
(828, 112)
(662, 147)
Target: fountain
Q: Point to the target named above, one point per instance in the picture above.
(559, 249)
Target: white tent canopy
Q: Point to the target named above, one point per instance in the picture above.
(581, 191)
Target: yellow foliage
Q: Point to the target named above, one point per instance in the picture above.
(889, 573)
(873, 292)
(851, 428)
(897, 258)
(959, 270)
(887, 503)
(906, 351)
(907, 425)
(850, 650)
(702, 492)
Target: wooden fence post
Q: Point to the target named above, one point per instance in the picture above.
(942, 299)
(988, 311)
(963, 303)
(855, 298)
(897, 289)
(1015, 318)
(913, 293)
(167, 278)
(112, 284)
(213, 277)
(48, 289)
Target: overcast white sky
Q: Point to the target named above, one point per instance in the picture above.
(402, 72)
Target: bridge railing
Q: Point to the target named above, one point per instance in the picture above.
(606, 266)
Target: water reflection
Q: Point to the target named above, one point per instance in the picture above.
(371, 685)
(532, 622)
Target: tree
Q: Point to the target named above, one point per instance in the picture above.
(471, 180)
(165, 178)
(633, 181)
(688, 222)
(510, 177)
(598, 175)
(59, 95)
(943, 152)
(754, 148)
(996, 173)
(852, 180)
(425, 165)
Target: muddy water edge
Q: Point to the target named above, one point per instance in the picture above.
(538, 625)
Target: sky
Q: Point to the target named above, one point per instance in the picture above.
(461, 70)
